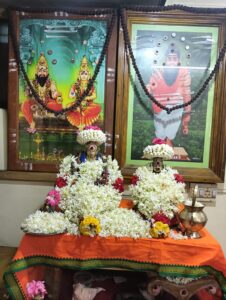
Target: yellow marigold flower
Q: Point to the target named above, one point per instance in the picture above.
(160, 230)
(90, 226)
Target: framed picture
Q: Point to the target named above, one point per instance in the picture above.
(59, 53)
(175, 53)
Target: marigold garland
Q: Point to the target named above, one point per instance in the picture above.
(160, 230)
(90, 226)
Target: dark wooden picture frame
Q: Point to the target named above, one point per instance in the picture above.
(15, 163)
(214, 169)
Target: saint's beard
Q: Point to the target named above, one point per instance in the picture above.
(170, 75)
(41, 79)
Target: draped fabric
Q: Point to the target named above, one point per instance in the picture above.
(192, 258)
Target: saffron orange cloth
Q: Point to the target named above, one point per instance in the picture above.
(188, 258)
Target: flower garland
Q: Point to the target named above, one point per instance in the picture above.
(90, 226)
(91, 134)
(122, 222)
(45, 223)
(129, 52)
(159, 150)
(154, 193)
(70, 171)
(97, 68)
(160, 230)
(87, 199)
(85, 194)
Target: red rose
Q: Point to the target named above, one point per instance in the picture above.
(118, 185)
(160, 217)
(157, 141)
(134, 179)
(61, 182)
(178, 178)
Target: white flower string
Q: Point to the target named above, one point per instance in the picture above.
(159, 150)
(91, 135)
(155, 193)
(177, 235)
(45, 223)
(124, 222)
(85, 199)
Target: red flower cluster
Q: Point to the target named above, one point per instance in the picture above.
(134, 179)
(160, 217)
(61, 182)
(179, 178)
(157, 141)
(118, 185)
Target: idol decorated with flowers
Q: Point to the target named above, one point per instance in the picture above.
(93, 191)
(158, 190)
(88, 193)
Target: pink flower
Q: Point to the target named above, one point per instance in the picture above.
(118, 185)
(160, 217)
(157, 141)
(92, 127)
(178, 178)
(61, 182)
(36, 289)
(53, 198)
(134, 179)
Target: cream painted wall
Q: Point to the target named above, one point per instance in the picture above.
(17, 201)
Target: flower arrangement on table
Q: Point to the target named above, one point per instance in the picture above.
(88, 192)
(157, 195)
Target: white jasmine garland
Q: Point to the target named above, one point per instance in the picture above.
(89, 170)
(82, 196)
(88, 199)
(155, 192)
(65, 166)
(91, 135)
(72, 229)
(177, 235)
(113, 170)
(158, 150)
(45, 223)
(122, 222)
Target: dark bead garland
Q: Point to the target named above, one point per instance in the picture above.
(138, 74)
(96, 71)
(128, 47)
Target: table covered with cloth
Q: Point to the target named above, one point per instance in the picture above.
(193, 258)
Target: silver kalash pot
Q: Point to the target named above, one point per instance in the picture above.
(192, 217)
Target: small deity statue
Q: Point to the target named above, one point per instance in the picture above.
(91, 137)
(157, 152)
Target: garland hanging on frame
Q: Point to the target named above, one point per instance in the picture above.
(129, 52)
(128, 48)
(95, 13)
